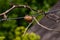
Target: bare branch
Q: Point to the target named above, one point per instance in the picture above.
(27, 27)
(4, 13)
(41, 24)
(20, 6)
(17, 6)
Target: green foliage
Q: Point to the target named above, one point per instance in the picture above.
(2, 37)
(31, 36)
(28, 36)
(19, 30)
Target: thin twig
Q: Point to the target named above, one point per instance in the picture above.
(41, 24)
(27, 27)
(4, 13)
(16, 6)
(45, 26)
(24, 6)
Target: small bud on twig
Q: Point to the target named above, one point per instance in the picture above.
(28, 18)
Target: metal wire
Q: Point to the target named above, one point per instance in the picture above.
(11, 18)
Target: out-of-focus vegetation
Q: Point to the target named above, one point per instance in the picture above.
(28, 36)
(8, 29)
(19, 35)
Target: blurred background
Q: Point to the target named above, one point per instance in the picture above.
(13, 29)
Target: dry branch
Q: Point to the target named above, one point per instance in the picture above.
(41, 24)
(13, 7)
(45, 26)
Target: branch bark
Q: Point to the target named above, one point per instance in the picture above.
(15, 6)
